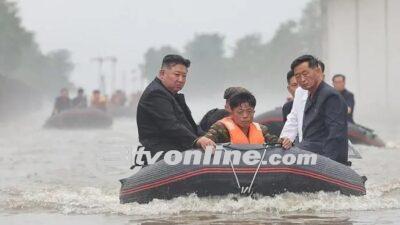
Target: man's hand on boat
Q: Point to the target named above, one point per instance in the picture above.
(286, 143)
(204, 142)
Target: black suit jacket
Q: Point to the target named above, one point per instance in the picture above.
(287, 107)
(349, 98)
(164, 120)
(325, 124)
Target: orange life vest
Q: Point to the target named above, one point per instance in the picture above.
(238, 137)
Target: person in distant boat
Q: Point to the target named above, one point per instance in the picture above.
(339, 83)
(62, 102)
(80, 100)
(292, 86)
(216, 114)
(118, 98)
(239, 128)
(98, 101)
(325, 112)
(163, 118)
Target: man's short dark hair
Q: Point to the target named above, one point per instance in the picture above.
(339, 75)
(289, 76)
(172, 60)
(80, 91)
(242, 97)
(321, 65)
(231, 91)
(313, 62)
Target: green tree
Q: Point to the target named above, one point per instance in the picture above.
(153, 59)
(21, 58)
(208, 70)
(257, 65)
(249, 61)
(13, 38)
(311, 28)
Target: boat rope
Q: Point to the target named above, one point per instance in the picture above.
(254, 176)
(234, 172)
(258, 168)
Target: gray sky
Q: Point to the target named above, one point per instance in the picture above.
(127, 28)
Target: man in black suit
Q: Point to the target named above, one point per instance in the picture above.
(164, 120)
(292, 86)
(339, 83)
(325, 113)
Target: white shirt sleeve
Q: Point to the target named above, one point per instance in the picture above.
(290, 129)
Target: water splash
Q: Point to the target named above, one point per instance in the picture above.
(91, 200)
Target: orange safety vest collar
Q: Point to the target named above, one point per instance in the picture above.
(238, 137)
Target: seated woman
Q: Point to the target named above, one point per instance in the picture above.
(239, 128)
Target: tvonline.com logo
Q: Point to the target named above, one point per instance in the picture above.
(141, 157)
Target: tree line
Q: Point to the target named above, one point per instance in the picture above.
(22, 60)
(261, 65)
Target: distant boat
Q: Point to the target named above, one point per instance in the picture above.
(121, 111)
(129, 110)
(86, 118)
(357, 133)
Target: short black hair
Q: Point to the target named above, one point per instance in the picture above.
(172, 60)
(242, 97)
(321, 65)
(313, 62)
(231, 91)
(80, 90)
(339, 75)
(289, 76)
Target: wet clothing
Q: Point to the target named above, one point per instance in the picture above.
(164, 120)
(349, 98)
(61, 104)
(212, 117)
(220, 134)
(79, 102)
(254, 136)
(287, 107)
(325, 124)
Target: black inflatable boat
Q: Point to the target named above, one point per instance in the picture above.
(357, 133)
(279, 171)
(80, 119)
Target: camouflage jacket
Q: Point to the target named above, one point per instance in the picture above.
(220, 134)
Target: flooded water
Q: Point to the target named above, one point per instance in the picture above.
(71, 177)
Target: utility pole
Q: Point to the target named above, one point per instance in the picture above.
(102, 84)
(136, 80)
(113, 61)
(124, 82)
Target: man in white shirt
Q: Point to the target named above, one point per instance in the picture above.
(294, 124)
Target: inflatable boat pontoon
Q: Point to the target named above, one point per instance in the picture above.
(279, 171)
(357, 133)
(80, 119)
